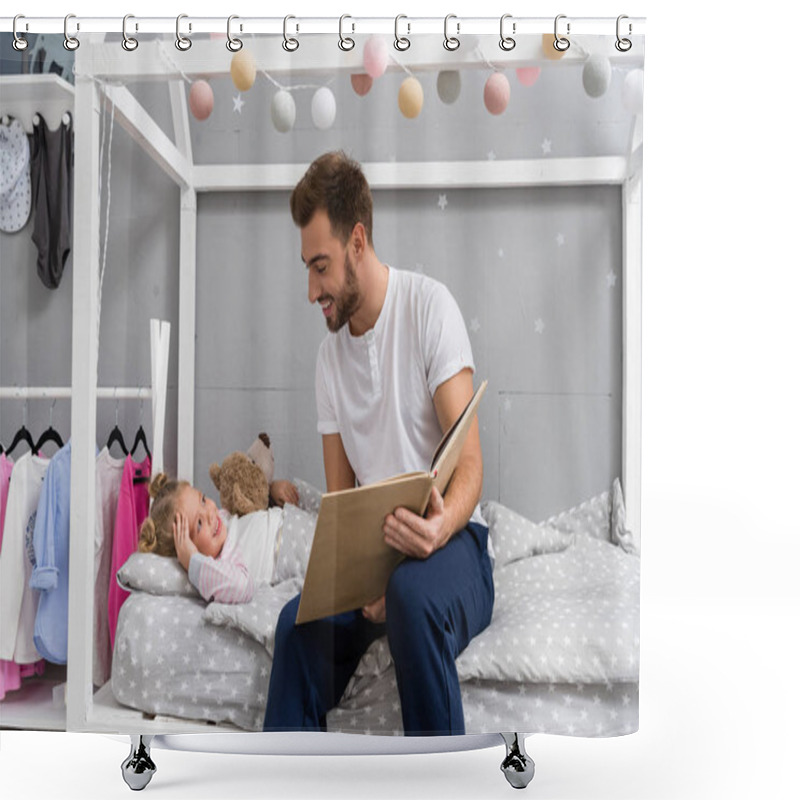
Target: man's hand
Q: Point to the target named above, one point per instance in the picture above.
(284, 492)
(376, 612)
(184, 546)
(415, 536)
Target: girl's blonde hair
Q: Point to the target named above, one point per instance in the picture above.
(156, 534)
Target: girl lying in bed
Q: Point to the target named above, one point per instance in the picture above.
(226, 557)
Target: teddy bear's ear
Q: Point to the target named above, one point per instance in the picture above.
(213, 472)
(242, 503)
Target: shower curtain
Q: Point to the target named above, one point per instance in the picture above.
(504, 179)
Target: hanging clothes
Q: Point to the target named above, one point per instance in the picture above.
(9, 671)
(18, 602)
(15, 177)
(51, 198)
(133, 507)
(51, 553)
(109, 472)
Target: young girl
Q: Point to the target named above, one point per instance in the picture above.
(225, 556)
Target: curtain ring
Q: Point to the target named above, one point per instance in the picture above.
(560, 43)
(451, 42)
(507, 42)
(234, 45)
(71, 43)
(20, 42)
(183, 43)
(290, 44)
(623, 45)
(401, 43)
(345, 42)
(128, 42)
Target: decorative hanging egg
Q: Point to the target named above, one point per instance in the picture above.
(596, 76)
(527, 76)
(243, 70)
(633, 91)
(323, 108)
(283, 111)
(496, 93)
(201, 100)
(361, 84)
(410, 97)
(448, 85)
(376, 56)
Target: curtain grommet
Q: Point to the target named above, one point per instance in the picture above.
(561, 43)
(233, 44)
(20, 43)
(129, 43)
(346, 43)
(451, 43)
(71, 43)
(401, 43)
(507, 43)
(290, 44)
(623, 45)
(183, 43)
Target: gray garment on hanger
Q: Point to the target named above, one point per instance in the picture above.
(51, 198)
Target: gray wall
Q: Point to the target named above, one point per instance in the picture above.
(536, 272)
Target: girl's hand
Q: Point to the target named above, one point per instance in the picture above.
(376, 611)
(284, 492)
(184, 546)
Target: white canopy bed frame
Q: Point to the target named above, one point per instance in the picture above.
(98, 66)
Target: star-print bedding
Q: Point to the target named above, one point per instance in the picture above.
(561, 654)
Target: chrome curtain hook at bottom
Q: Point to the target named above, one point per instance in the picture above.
(71, 43)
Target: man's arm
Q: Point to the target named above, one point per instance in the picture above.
(420, 536)
(338, 472)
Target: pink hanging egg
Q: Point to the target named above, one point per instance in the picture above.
(201, 100)
(376, 56)
(361, 84)
(527, 76)
(496, 93)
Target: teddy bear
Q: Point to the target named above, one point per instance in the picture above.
(243, 479)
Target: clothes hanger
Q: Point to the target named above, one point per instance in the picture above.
(50, 435)
(22, 435)
(141, 437)
(116, 433)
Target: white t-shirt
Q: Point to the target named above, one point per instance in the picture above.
(366, 384)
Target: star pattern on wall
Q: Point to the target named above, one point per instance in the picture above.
(238, 104)
(442, 202)
(547, 146)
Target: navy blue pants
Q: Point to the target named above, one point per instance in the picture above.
(433, 609)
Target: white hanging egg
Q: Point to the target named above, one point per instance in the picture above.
(448, 85)
(596, 76)
(323, 108)
(283, 111)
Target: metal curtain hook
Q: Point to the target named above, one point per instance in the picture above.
(234, 45)
(70, 42)
(182, 42)
(290, 44)
(451, 42)
(20, 42)
(345, 42)
(128, 42)
(401, 43)
(507, 42)
(560, 43)
(623, 45)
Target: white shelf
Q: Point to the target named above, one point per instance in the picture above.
(22, 96)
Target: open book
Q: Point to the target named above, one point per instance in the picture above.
(350, 564)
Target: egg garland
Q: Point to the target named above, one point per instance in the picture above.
(527, 76)
(496, 93)
(283, 111)
(448, 85)
(323, 108)
(596, 76)
(201, 100)
(376, 56)
(361, 84)
(243, 70)
(410, 98)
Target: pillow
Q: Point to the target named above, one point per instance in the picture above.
(295, 544)
(591, 518)
(147, 572)
(514, 537)
(310, 496)
(620, 535)
(258, 618)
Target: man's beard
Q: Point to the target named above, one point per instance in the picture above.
(348, 301)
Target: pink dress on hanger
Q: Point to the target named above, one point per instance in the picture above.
(133, 507)
(9, 671)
